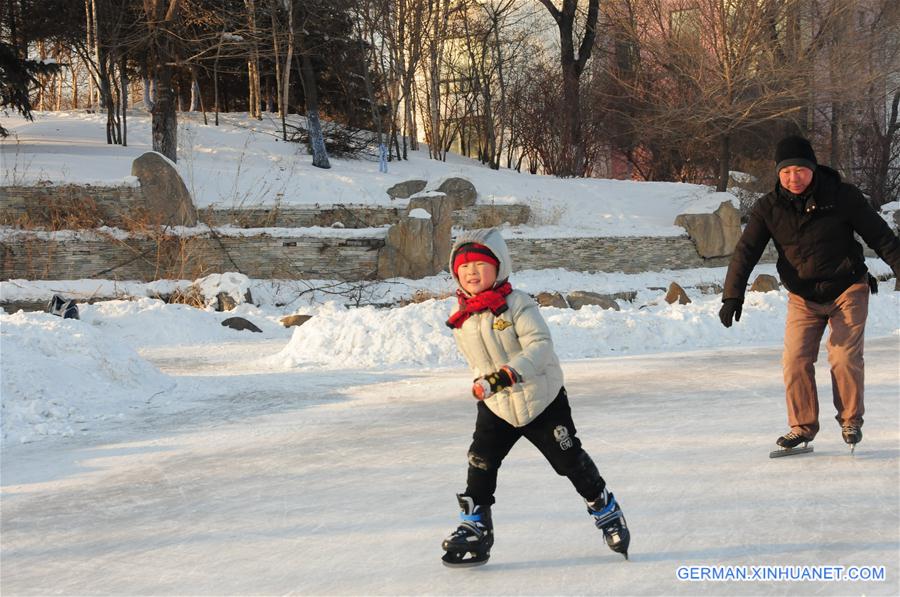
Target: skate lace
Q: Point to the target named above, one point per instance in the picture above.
(791, 435)
(850, 429)
(467, 528)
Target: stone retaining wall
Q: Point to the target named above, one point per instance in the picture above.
(33, 257)
(47, 205)
(112, 205)
(145, 259)
(614, 254)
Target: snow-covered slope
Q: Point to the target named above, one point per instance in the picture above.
(244, 163)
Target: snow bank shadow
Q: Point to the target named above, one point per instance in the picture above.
(200, 401)
(76, 462)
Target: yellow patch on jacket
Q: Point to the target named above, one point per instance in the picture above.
(501, 324)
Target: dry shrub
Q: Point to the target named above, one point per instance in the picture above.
(421, 295)
(68, 212)
(190, 296)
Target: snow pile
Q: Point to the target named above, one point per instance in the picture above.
(151, 322)
(337, 337)
(233, 284)
(416, 335)
(64, 376)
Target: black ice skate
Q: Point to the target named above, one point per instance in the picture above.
(609, 518)
(852, 435)
(790, 445)
(470, 544)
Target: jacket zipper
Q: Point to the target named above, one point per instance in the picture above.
(490, 360)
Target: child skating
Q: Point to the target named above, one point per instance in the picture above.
(520, 393)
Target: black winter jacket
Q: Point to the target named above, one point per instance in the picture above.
(818, 257)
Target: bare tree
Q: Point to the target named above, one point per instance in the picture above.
(573, 63)
(162, 19)
(255, 100)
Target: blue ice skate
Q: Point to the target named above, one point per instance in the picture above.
(609, 518)
(470, 544)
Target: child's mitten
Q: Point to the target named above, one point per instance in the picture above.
(487, 386)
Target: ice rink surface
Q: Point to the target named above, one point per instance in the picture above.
(343, 484)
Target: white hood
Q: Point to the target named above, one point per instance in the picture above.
(490, 238)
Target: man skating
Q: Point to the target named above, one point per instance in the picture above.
(812, 216)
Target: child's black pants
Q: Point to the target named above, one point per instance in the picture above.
(552, 432)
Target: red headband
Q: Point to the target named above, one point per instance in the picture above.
(473, 252)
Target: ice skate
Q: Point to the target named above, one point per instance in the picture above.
(852, 436)
(609, 518)
(470, 544)
(790, 445)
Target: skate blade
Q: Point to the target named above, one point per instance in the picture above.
(464, 564)
(790, 451)
(455, 561)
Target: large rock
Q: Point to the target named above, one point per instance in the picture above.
(440, 207)
(764, 283)
(551, 299)
(677, 293)
(460, 190)
(290, 321)
(240, 324)
(166, 198)
(580, 298)
(408, 251)
(715, 234)
(406, 189)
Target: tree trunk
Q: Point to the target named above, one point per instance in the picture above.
(123, 99)
(165, 118)
(286, 72)
(310, 92)
(74, 69)
(504, 114)
(573, 145)
(164, 121)
(195, 91)
(276, 46)
(724, 162)
(42, 54)
(147, 93)
(253, 63)
(216, 76)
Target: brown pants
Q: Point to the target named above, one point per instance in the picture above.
(806, 321)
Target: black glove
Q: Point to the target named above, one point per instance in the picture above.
(873, 284)
(731, 308)
(487, 386)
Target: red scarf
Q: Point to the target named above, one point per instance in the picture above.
(493, 299)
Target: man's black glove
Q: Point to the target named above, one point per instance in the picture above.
(731, 308)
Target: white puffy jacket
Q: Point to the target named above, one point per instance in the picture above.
(519, 338)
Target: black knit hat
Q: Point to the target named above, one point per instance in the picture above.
(794, 151)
